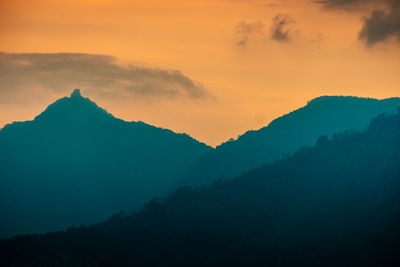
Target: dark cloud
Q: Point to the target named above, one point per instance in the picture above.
(380, 25)
(100, 73)
(247, 31)
(344, 4)
(280, 30)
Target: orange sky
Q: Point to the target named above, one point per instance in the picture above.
(247, 85)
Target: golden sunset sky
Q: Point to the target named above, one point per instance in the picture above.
(211, 68)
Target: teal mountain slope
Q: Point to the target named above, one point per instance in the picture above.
(334, 204)
(76, 163)
(324, 115)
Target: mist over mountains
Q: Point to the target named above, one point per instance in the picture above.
(336, 203)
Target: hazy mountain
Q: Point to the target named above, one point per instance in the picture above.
(335, 204)
(324, 115)
(76, 163)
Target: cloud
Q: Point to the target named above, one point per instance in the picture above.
(246, 31)
(344, 4)
(380, 25)
(99, 73)
(279, 29)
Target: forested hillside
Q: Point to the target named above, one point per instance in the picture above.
(334, 204)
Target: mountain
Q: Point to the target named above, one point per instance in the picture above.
(76, 163)
(324, 115)
(334, 204)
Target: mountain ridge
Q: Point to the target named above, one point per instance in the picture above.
(76, 154)
(317, 101)
(96, 155)
(336, 203)
(76, 105)
(324, 115)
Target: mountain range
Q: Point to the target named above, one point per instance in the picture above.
(336, 203)
(324, 115)
(75, 163)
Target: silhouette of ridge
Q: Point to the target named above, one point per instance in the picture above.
(110, 164)
(77, 163)
(73, 108)
(334, 204)
(323, 115)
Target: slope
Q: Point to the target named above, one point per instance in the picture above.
(324, 115)
(335, 204)
(76, 163)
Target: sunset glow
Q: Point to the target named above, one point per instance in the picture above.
(246, 76)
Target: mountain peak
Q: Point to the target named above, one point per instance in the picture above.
(75, 108)
(76, 93)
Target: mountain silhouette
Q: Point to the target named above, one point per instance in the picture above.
(324, 115)
(73, 109)
(334, 204)
(76, 163)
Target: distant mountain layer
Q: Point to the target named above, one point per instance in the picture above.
(75, 163)
(335, 204)
(324, 115)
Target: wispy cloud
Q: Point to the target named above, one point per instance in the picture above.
(280, 30)
(100, 73)
(249, 30)
(344, 4)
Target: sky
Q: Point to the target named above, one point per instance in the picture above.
(211, 68)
